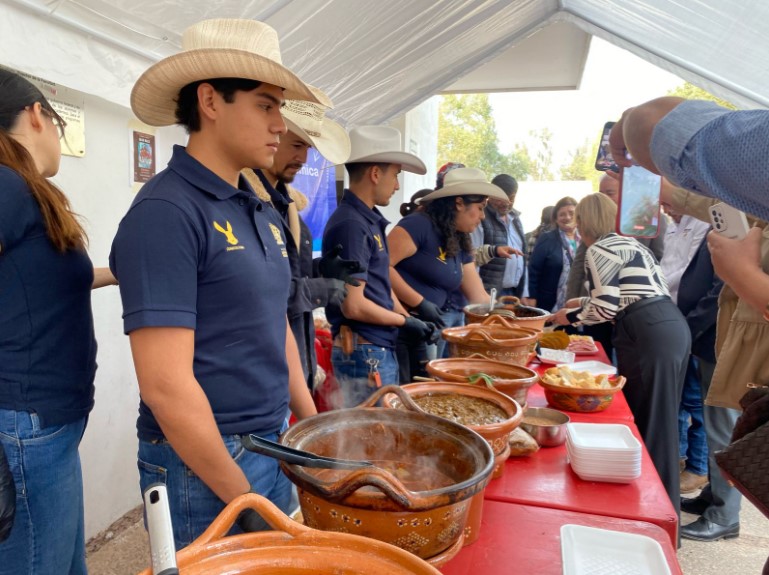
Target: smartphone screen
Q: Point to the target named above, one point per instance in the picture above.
(639, 203)
(604, 160)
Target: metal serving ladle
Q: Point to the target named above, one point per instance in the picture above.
(298, 456)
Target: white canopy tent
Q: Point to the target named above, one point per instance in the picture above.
(377, 59)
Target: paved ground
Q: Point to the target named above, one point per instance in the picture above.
(126, 551)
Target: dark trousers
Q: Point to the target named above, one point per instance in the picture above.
(724, 499)
(652, 341)
(602, 332)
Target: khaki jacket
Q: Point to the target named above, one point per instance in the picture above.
(742, 334)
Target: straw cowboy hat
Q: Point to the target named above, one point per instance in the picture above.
(382, 144)
(220, 48)
(308, 121)
(465, 182)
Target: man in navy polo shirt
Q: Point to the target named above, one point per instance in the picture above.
(307, 128)
(203, 272)
(371, 314)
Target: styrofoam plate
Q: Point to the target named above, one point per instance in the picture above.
(555, 356)
(604, 436)
(593, 367)
(591, 551)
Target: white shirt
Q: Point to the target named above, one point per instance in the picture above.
(681, 243)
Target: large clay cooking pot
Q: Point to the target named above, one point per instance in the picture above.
(510, 307)
(422, 505)
(495, 338)
(292, 549)
(512, 380)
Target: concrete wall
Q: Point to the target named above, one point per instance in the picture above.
(419, 128)
(99, 188)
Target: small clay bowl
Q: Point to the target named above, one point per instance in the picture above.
(580, 399)
(547, 426)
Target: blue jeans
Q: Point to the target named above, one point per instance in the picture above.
(452, 318)
(48, 534)
(692, 440)
(193, 505)
(352, 372)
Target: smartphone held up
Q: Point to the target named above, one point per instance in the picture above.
(638, 213)
(604, 160)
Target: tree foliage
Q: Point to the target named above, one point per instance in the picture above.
(467, 133)
(582, 164)
(692, 92)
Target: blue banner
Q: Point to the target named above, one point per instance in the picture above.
(317, 181)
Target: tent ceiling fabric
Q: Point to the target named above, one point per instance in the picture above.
(379, 59)
(552, 59)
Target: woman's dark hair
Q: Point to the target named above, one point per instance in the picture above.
(16, 95)
(187, 113)
(563, 202)
(443, 213)
(411, 206)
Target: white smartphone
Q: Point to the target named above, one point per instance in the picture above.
(161, 533)
(728, 221)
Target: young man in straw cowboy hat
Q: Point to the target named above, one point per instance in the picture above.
(204, 272)
(366, 329)
(307, 128)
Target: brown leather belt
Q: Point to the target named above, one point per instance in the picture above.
(360, 340)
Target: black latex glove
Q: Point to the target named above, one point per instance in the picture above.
(333, 266)
(326, 291)
(420, 330)
(428, 311)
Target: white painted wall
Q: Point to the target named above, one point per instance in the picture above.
(419, 129)
(99, 188)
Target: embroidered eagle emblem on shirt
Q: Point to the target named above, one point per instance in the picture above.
(276, 234)
(379, 242)
(231, 239)
(441, 255)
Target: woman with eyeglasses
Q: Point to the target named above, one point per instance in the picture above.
(47, 344)
(431, 255)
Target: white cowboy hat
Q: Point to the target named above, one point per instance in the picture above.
(219, 48)
(308, 121)
(465, 182)
(382, 144)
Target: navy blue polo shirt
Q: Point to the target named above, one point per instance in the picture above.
(361, 232)
(47, 344)
(429, 271)
(196, 253)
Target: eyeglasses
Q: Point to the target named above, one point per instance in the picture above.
(60, 124)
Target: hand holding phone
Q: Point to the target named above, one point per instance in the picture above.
(728, 221)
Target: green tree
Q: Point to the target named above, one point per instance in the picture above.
(467, 133)
(692, 92)
(541, 154)
(582, 164)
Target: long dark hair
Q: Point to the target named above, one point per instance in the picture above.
(443, 213)
(16, 95)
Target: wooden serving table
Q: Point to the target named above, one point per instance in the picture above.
(525, 539)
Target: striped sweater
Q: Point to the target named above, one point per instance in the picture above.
(620, 271)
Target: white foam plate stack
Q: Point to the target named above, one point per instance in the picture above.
(592, 551)
(603, 452)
